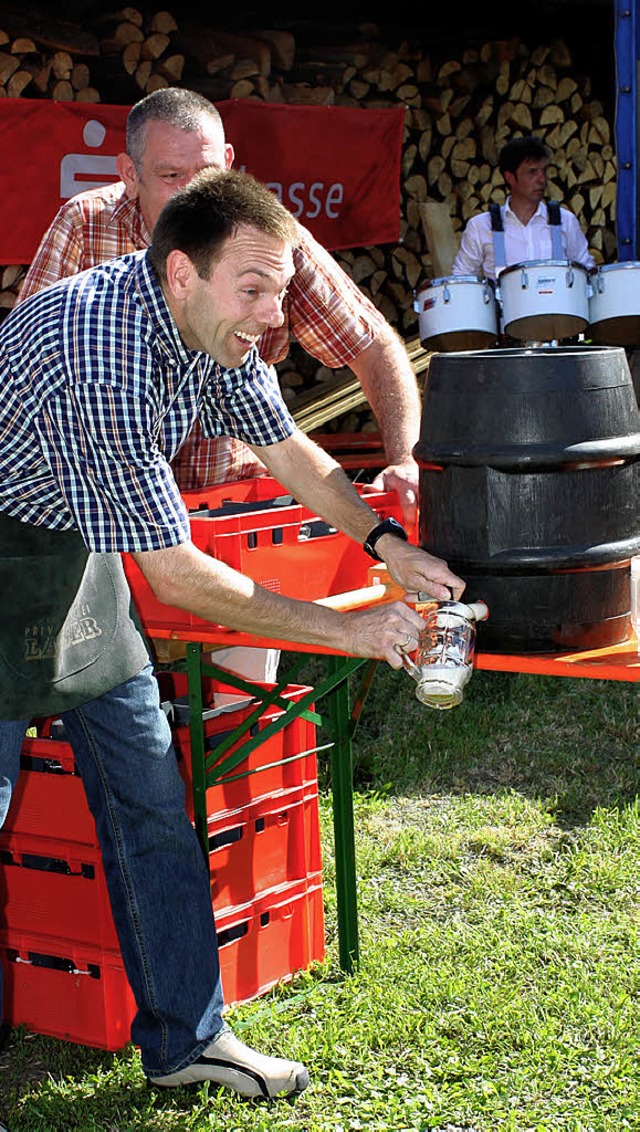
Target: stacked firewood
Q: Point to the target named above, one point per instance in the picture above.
(44, 58)
(459, 108)
(473, 105)
(137, 56)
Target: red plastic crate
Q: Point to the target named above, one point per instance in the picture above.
(49, 798)
(287, 549)
(263, 825)
(81, 993)
(285, 761)
(271, 842)
(64, 990)
(46, 890)
(48, 887)
(267, 941)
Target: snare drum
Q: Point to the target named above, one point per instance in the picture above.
(457, 312)
(544, 300)
(614, 304)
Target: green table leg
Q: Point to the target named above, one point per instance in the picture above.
(339, 710)
(342, 722)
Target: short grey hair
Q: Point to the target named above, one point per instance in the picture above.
(184, 109)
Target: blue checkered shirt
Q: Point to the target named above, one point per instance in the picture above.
(97, 395)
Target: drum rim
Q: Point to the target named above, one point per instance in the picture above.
(442, 279)
(544, 263)
(600, 267)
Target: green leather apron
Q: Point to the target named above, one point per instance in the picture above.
(68, 629)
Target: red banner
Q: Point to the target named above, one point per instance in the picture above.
(336, 168)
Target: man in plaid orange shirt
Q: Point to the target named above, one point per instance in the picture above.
(171, 135)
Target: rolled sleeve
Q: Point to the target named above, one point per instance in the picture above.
(115, 480)
(325, 311)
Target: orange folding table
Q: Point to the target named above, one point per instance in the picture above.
(255, 528)
(619, 662)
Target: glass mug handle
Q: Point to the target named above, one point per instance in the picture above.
(424, 605)
(410, 667)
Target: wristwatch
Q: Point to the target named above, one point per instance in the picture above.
(389, 526)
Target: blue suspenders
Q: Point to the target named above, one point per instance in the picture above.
(497, 233)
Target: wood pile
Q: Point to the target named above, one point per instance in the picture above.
(460, 108)
(138, 54)
(42, 57)
(474, 104)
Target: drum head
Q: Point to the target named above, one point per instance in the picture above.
(459, 340)
(545, 327)
(617, 331)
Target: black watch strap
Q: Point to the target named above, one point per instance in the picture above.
(388, 526)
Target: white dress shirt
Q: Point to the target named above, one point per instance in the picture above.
(522, 241)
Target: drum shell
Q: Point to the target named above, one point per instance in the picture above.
(544, 300)
(457, 312)
(614, 304)
(530, 488)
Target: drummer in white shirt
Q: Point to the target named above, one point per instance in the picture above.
(526, 227)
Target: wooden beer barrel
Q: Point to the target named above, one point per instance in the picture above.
(530, 489)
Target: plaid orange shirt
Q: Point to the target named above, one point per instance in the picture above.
(324, 310)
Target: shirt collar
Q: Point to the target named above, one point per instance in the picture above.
(167, 333)
(127, 213)
(541, 210)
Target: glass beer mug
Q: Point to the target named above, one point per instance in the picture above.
(443, 662)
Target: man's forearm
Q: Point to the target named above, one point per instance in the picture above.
(316, 480)
(185, 577)
(319, 482)
(386, 375)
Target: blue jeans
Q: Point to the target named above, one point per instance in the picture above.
(155, 871)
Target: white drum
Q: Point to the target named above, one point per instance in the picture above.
(457, 312)
(614, 304)
(544, 300)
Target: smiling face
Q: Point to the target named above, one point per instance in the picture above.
(170, 159)
(225, 314)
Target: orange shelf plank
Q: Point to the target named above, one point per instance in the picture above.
(618, 662)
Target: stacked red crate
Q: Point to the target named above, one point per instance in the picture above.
(264, 838)
(63, 970)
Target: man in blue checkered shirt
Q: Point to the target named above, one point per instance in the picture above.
(101, 378)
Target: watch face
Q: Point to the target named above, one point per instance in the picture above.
(393, 527)
(389, 526)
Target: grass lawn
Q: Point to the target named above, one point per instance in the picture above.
(499, 985)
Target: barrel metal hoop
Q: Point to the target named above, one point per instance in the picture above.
(528, 457)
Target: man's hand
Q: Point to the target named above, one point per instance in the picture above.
(383, 633)
(416, 571)
(402, 478)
